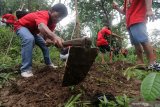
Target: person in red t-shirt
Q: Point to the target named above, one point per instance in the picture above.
(33, 28)
(103, 44)
(8, 18)
(136, 12)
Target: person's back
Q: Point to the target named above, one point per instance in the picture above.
(30, 21)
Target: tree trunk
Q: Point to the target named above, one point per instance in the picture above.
(0, 7)
(29, 5)
(77, 29)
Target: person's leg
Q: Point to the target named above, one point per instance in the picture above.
(134, 38)
(45, 50)
(102, 53)
(139, 53)
(102, 58)
(151, 58)
(154, 52)
(149, 52)
(41, 43)
(108, 48)
(111, 56)
(140, 35)
(27, 41)
(145, 43)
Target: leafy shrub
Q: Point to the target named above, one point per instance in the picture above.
(72, 101)
(10, 48)
(133, 72)
(6, 35)
(4, 77)
(150, 87)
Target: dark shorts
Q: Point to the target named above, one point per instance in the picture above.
(104, 48)
(116, 51)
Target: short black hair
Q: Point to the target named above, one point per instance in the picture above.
(61, 9)
(20, 14)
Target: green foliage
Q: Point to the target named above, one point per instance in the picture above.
(132, 72)
(106, 57)
(119, 57)
(72, 101)
(122, 101)
(131, 55)
(66, 33)
(103, 102)
(31, 5)
(150, 87)
(55, 56)
(5, 36)
(4, 77)
(156, 6)
(158, 54)
(94, 14)
(10, 48)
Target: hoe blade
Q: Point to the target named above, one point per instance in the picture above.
(78, 65)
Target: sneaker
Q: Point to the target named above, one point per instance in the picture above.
(151, 66)
(155, 66)
(64, 57)
(27, 74)
(53, 66)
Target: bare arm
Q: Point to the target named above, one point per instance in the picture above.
(149, 9)
(149, 5)
(44, 30)
(120, 10)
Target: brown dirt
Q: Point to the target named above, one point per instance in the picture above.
(45, 88)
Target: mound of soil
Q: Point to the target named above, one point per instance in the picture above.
(45, 88)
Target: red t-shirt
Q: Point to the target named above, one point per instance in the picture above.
(135, 11)
(10, 18)
(100, 39)
(32, 20)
